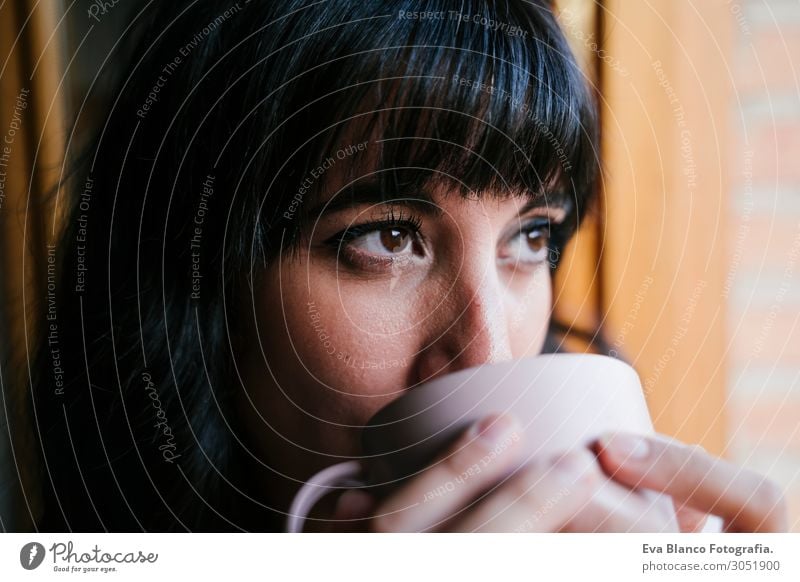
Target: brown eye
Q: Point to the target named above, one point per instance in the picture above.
(378, 245)
(537, 239)
(529, 247)
(389, 241)
(395, 240)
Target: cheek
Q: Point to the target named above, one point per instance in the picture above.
(341, 351)
(529, 313)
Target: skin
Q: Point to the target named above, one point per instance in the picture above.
(470, 290)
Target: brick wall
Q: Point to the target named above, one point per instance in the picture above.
(764, 244)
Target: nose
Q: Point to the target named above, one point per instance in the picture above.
(471, 327)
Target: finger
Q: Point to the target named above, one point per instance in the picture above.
(746, 500)
(616, 508)
(568, 493)
(352, 510)
(540, 497)
(479, 458)
(690, 520)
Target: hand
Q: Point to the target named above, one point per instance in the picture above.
(698, 482)
(468, 488)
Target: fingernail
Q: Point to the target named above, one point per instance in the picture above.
(353, 504)
(629, 447)
(496, 428)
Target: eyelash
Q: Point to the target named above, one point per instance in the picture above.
(401, 220)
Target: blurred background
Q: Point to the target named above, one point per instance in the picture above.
(691, 270)
(763, 237)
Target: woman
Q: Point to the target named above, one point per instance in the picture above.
(295, 211)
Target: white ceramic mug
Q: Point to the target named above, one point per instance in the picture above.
(563, 401)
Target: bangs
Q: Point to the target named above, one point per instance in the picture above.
(493, 105)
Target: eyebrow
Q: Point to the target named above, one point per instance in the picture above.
(372, 192)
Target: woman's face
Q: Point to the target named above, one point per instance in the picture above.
(381, 297)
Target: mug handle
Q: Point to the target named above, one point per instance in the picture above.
(347, 474)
